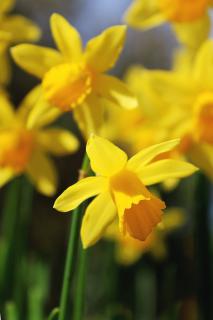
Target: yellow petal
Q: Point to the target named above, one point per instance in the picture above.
(29, 102)
(66, 37)
(35, 59)
(5, 74)
(6, 5)
(202, 156)
(99, 214)
(144, 14)
(203, 68)
(42, 114)
(89, 115)
(42, 173)
(116, 91)
(79, 192)
(192, 34)
(138, 161)
(6, 174)
(7, 113)
(162, 170)
(102, 52)
(20, 28)
(106, 159)
(58, 142)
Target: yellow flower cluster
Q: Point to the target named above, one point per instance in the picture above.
(168, 117)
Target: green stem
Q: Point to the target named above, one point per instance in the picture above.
(78, 308)
(9, 232)
(202, 242)
(25, 210)
(72, 242)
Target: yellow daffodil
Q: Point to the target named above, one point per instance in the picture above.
(26, 148)
(186, 98)
(189, 18)
(121, 188)
(13, 29)
(144, 127)
(129, 250)
(73, 78)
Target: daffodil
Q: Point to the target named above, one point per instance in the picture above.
(74, 78)
(144, 127)
(186, 98)
(129, 250)
(26, 148)
(121, 188)
(189, 18)
(13, 29)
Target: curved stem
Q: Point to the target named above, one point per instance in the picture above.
(73, 239)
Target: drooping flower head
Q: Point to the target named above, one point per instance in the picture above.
(73, 78)
(189, 18)
(26, 147)
(13, 29)
(121, 188)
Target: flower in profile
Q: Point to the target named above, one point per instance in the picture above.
(13, 29)
(129, 250)
(74, 78)
(188, 105)
(26, 148)
(120, 186)
(189, 18)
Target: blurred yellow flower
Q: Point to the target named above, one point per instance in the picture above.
(144, 127)
(13, 29)
(73, 78)
(189, 18)
(186, 99)
(129, 250)
(121, 188)
(26, 148)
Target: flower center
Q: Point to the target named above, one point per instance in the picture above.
(203, 122)
(16, 148)
(183, 10)
(67, 85)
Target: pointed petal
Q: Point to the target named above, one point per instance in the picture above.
(90, 116)
(106, 159)
(139, 160)
(20, 28)
(116, 91)
(29, 102)
(35, 59)
(66, 37)
(144, 14)
(99, 214)
(203, 67)
(58, 142)
(162, 170)
(42, 114)
(73, 196)
(42, 173)
(186, 32)
(102, 52)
